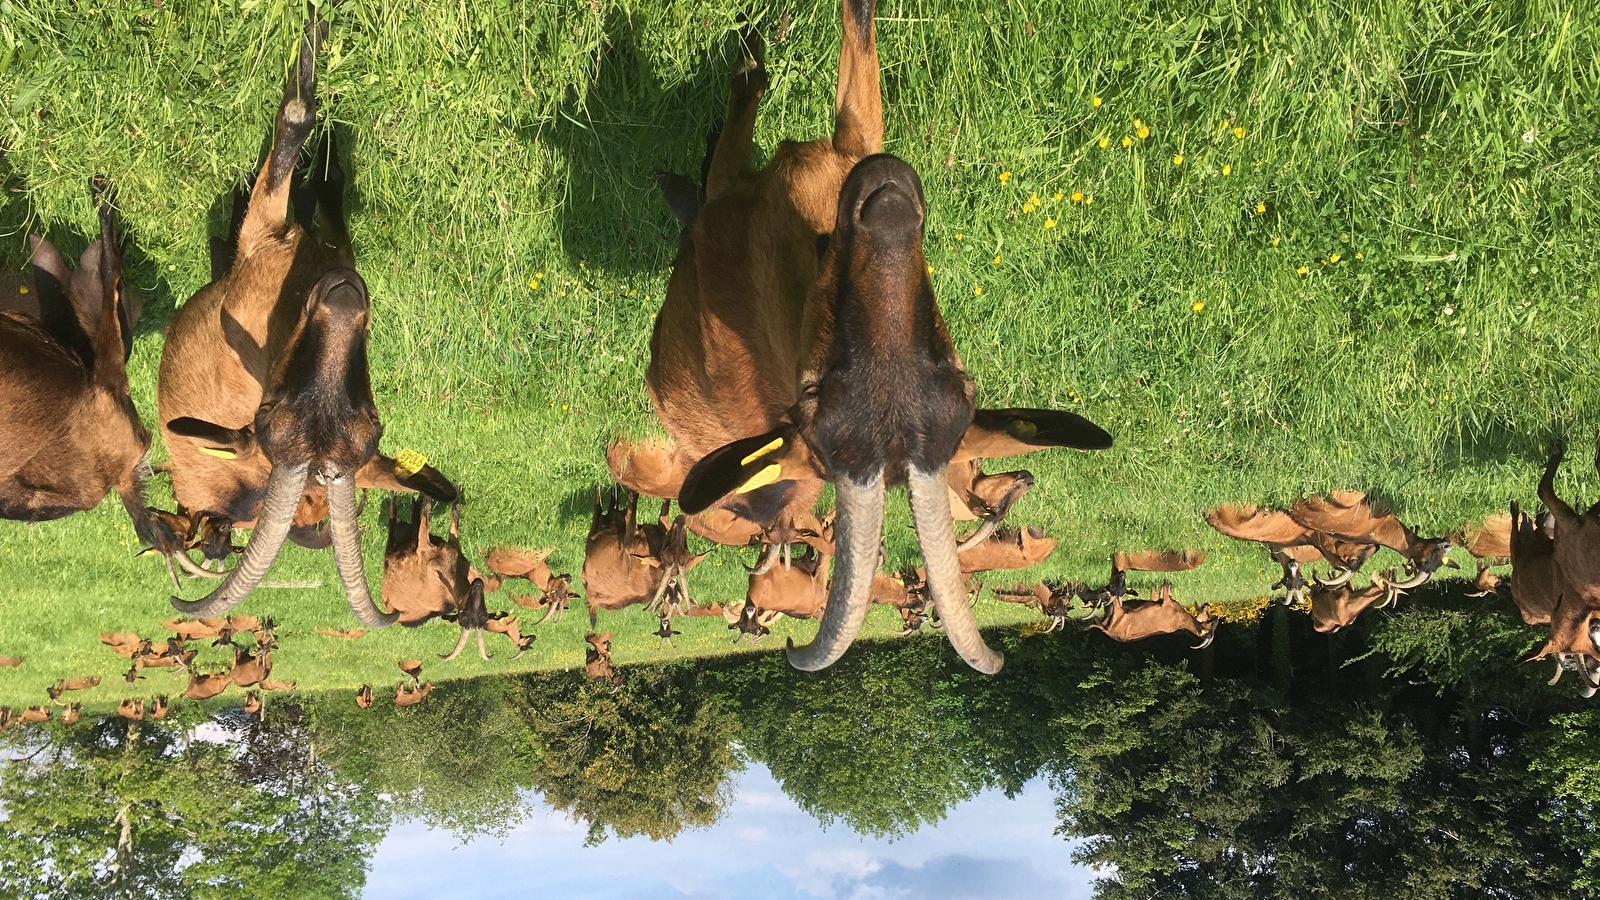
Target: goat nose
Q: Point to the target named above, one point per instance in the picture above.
(342, 291)
(890, 207)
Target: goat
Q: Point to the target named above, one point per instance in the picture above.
(265, 400)
(906, 594)
(625, 563)
(412, 667)
(206, 686)
(1007, 549)
(196, 629)
(423, 576)
(1281, 533)
(10, 662)
(597, 659)
(250, 668)
(1125, 561)
(974, 495)
(555, 591)
(508, 625)
(800, 590)
(473, 617)
(1533, 574)
(131, 709)
(412, 694)
(1336, 607)
(252, 703)
(158, 708)
(749, 621)
(364, 696)
(1293, 581)
(1489, 539)
(71, 684)
(70, 715)
(800, 343)
(1054, 600)
(1163, 615)
(666, 632)
(1352, 516)
(71, 431)
(36, 714)
(1574, 623)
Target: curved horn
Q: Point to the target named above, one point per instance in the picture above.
(769, 558)
(936, 533)
(859, 528)
(1416, 580)
(284, 487)
(982, 534)
(1337, 580)
(1211, 635)
(347, 552)
(189, 566)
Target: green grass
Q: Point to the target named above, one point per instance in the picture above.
(1446, 152)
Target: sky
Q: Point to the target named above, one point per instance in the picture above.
(764, 848)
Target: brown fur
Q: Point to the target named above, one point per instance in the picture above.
(1280, 532)
(1333, 608)
(1489, 539)
(800, 591)
(423, 576)
(73, 684)
(131, 709)
(196, 629)
(411, 695)
(1008, 549)
(1351, 516)
(1158, 560)
(1139, 620)
(1533, 573)
(624, 561)
(1576, 568)
(597, 659)
(204, 687)
(36, 714)
(10, 662)
(250, 669)
(364, 696)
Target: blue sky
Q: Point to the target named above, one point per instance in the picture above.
(765, 848)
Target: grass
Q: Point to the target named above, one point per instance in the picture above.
(1430, 166)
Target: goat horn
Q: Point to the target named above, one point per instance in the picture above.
(190, 567)
(1211, 635)
(936, 533)
(859, 528)
(1337, 580)
(769, 558)
(988, 527)
(284, 487)
(347, 553)
(1416, 580)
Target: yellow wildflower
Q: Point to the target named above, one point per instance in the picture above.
(1034, 198)
(1049, 223)
(997, 259)
(1198, 305)
(930, 268)
(1178, 160)
(1359, 256)
(1301, 271)
(1333, 258)
(1261, 207)
(977, 290)
(1095, 103)
(1088, 201)
(563, 407)
(1105, 142)
(1276, 240)
(959, 235)
(1005, 177)
(1226, 171)
(1077, 196)
(1127, 141)
(22, 289)
(1238, 132)
(1143, 132)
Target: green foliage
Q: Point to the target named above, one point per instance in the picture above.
(650, 757)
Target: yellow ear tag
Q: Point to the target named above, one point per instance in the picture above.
(409, 462)
(220, 452)
(771, 446)
(1022, 428)
(761, 479)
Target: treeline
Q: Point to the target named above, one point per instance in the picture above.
(1408, 756)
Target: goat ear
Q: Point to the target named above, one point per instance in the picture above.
(745, 465)
(224, 443)
(1008, 432)
(731, 613)
(390, 474)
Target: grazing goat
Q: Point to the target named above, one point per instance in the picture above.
(206, 686)
(799, 590)
(71, 431)
(1008, 549)
(1351, 516)
(625, 563)
(1281, 533)
(71, 684)
(473, 617)
(364, 696)
(423, 576)
(1575, 620)
(1293, 581)
(411, 694)
(1336, 607)
(1162, 615)
(265, 400)
(1053, 600)
(597, 659)
(800, 342)
(555, 591)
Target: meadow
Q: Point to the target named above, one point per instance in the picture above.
(1273, 248)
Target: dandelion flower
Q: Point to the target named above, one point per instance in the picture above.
(1049, 223)
(1178, 160)
(1095, 103)
(1077, 196)
(1238, 132)
(997, 259)
(1276, 240)
(563, 407)
(21, 289)
(1105, 142)
(1301, 271)
(1127, 141)
(1333, 257)
(930, 268)
(977, 290)
(1198, 305)
(1359, 255)
(1226, 171)
(1261, 208)
(1088, 201)
(1005, 177)
(1058, 196)
(959, 236)
(1143, 132)
(534, 284)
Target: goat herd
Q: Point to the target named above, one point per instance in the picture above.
(799, 343)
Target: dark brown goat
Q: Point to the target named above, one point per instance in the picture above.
(1281, 533)
(1352, 516)
(1336, 607)
(265, 400)
(1575, 621)
(71, 431)
(800, 342)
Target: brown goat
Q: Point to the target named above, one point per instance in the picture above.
(1352, 516)
(626, 563)
(1008, 549)
(196, 629)
(265, 400)
(36, 714)
(72, 684)
(800, 590)
(206, 686)
(1160, 616)
(473, 618)
(597, 659)
(1534, 588)
(71, 713)
(506, 624)
(800, 342)
(555, 591)
(423, 576)
(10, 662)
(364, 696)
(131, 709)
(1489, 539)
(1333, 608)
(1575, 621)
(1281, 533)
(158, 708)
(71, 431)
(250, 669)
(411, 694)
